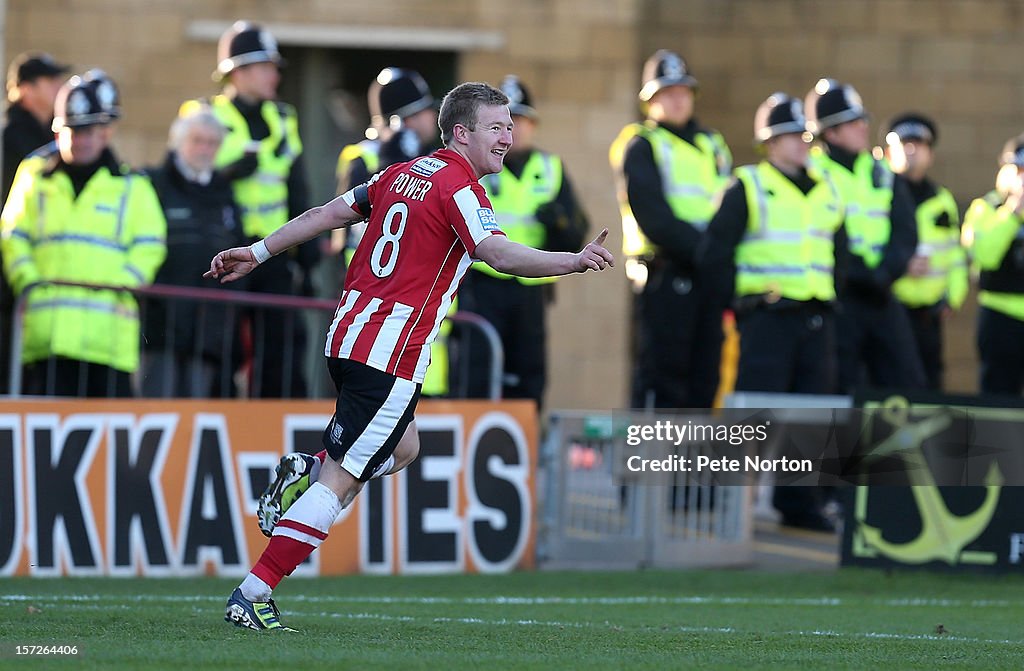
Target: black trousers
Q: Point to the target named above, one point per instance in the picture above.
(1001, 350)
(678, 343)
(69, 377)
(788, 349)
(926, 325)
(876, 345)
(519, 313)
(6, 330)
(278, 336)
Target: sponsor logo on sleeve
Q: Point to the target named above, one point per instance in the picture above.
(427, 166)
(487, 220)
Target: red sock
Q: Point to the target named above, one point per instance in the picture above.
(302, 529)
(280, 558)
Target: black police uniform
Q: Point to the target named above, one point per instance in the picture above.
(875, 342)
(279, 336)
(518, 310)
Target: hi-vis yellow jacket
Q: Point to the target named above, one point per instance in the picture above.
(947, 278)
(788, 248)
(515, 201)
(692, 178)
(113, 233)
(263, 195)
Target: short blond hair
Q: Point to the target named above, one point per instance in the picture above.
(463, 103)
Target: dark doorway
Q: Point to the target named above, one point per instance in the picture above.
(328, 87)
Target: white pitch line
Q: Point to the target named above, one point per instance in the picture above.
(540, 601)
(684, 629)
(506, 622)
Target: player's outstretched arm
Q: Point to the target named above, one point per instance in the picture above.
(513, 258)
(237, 262)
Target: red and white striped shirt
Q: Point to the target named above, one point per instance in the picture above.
(427, 216)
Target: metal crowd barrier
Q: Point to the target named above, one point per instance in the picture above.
(596, 515)
(231, 307)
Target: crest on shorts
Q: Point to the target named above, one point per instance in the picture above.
(336, 431)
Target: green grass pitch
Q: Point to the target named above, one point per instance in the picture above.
(849, 619)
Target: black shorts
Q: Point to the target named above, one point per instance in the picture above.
(372, 413)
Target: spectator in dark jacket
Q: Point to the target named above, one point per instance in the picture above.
(190, 345)
(33, 80)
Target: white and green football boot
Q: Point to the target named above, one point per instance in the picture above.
(241, 612)
(293, 476)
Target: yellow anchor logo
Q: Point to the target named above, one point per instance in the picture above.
(944, 535)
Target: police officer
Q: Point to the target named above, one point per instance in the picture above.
(32, 82)
(937, 280)
(403, 121)
(403, 126)
(873, 248)
(78, 215)
(262, 156)
(994, 225)
(535, 204)
(670, 169)
(770, 245)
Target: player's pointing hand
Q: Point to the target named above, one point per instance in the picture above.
(231, 264)
(594, 256)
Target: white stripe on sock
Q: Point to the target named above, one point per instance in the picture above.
(295, 534)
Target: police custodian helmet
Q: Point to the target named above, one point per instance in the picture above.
(664, 68)
(780, 114)
(912, 126)
(398, 92)
(86, 101)
(245, 43)
(520, 103)
(1013, 152)
(831, 103)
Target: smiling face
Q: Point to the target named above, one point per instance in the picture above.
(486, 143)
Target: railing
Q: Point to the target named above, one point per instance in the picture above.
(232, 304)
(595, 515)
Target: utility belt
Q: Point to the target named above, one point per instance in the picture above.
(773, 302)
(933, 310)
(642, 269)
